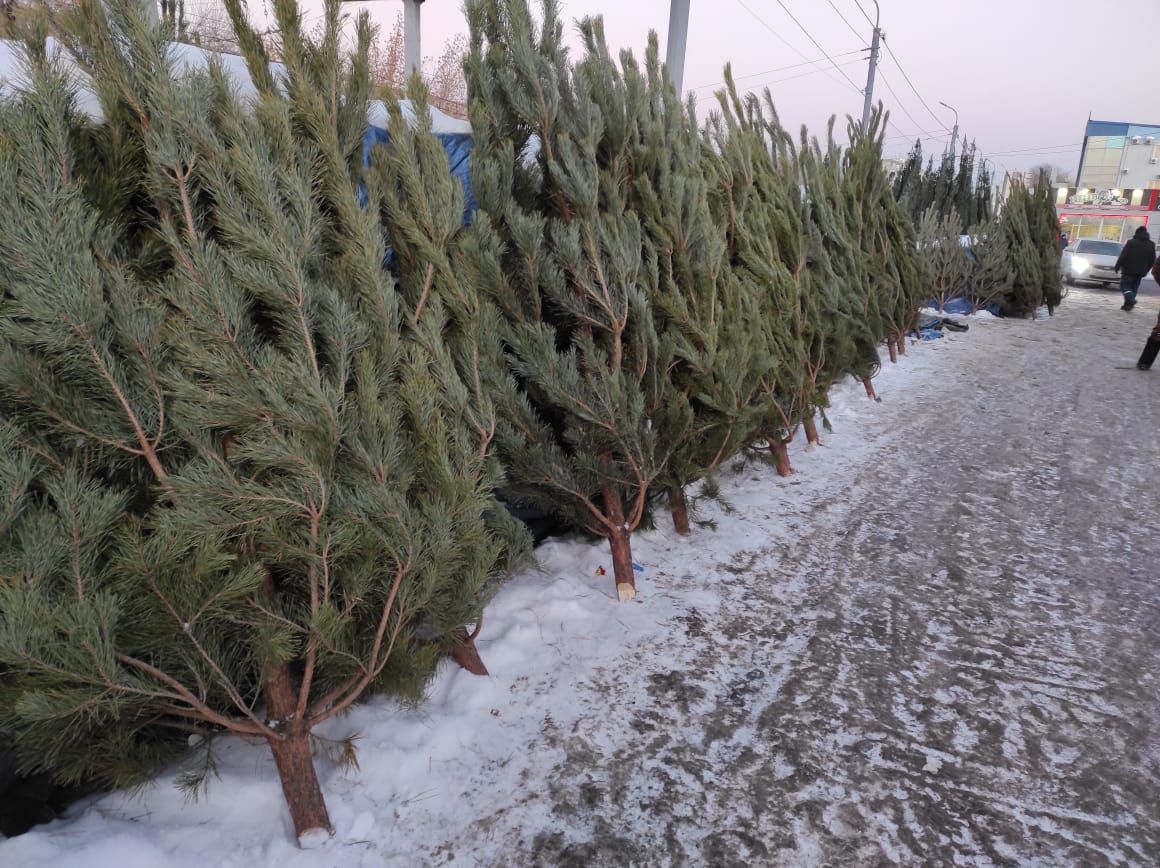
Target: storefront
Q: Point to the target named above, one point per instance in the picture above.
(1109, 215)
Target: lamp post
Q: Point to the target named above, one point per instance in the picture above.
(874, 41)
(955, 132)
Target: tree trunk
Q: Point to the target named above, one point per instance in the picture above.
(293, 757)
(869, 388)
(893, 352)
(780, 456)
(811, 431)
(902, 344)
(467, 655)
(619, 541)
(679, 507)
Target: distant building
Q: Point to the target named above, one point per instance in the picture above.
(1118, 182)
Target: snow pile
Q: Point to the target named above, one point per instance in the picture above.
(473, 751)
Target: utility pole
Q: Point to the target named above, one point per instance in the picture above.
(874, 42)
(412, 38)
(678, 37)
(955, 131)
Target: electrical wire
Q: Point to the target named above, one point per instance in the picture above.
(780, 69)
(898, 102)
(893, 57)
(843, 17)
(804, 74)
(865, 14)
(765, 24)
(1048, 150)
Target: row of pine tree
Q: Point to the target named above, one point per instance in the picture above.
(262, 404)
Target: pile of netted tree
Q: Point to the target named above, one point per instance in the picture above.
(262, 400)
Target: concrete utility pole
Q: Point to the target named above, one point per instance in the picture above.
(678, 37)
(412, 37)
(874, 41)
(955, 131)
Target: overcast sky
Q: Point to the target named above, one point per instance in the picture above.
(1023, 74)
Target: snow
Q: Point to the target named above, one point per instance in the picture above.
(839, 673)
(474, 742)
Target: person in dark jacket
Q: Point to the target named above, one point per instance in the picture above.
(1136, 260)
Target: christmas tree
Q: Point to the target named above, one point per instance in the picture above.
(703, 312)
(942, 258)
(550, 173)
(759, 201)
(1017, 225)
(842, 272)
(885, 235)
(237, 497)
(990, 274)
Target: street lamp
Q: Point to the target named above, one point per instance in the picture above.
(955, 132)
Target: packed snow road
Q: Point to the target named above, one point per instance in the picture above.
(954, 660)
(938, 643)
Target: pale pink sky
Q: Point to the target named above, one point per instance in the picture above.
(1023, 74)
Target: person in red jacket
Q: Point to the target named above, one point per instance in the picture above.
(1136, 260)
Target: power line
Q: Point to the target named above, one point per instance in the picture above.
(843, 17)
(1047, 150)
(780, 69)
(898, 102)
(804, 74)
(890, 51)
(809, 36)
(865, 15)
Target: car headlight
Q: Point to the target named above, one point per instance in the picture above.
(1080, 265)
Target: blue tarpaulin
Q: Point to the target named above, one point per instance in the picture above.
(456, 145)
(961, 306)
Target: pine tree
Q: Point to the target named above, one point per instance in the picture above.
(715, 327)
(1045, 233)
(990, 275)
(888, 238)
(1016, 223)
(759, 201)
(942, 259)
(550, 172)
(236, 495)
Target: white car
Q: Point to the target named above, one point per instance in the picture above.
(1089, 259)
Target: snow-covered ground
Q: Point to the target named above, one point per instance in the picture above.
(934, 644)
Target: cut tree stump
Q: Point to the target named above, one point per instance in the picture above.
(466, 654)
(679, 506)
(811, 432)
(780, 456)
